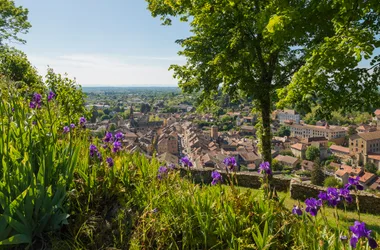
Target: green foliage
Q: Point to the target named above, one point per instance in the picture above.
(276, 166)
(145, 108)
(36, 168)
(15, 66)
(69, 95)
(14, 20)
(287, 152)
(331, 181)
(371, 167)
(258, 48)
(283, 131)
(312, 153)
(317, 175)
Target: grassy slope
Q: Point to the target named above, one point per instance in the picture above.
(346, 219)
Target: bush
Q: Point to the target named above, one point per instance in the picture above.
(332, 182)
(312, 153)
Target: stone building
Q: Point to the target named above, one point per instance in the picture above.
(364, 146)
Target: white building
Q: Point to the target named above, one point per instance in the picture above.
(288, 115)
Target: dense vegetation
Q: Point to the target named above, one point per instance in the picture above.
(61, 189)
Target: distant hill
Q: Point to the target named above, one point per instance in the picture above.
(131, 89)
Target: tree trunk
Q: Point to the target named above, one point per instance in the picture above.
(266, 138)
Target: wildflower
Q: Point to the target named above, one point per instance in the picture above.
(354, 182)
(108, 137)
(360, 231)
(109, 160)
(345, 193)
(72, 125)
(36, 101)
(99, 155)
(105, 146)
(155, 210)
(93, 150)
(34, 122)
(82, 122)
(13, 109)
(51, 96)
(343, 237)
(333, 197)
(171, 166)
(162, 171)
(119, 136)
(230, 162)
(296, 210)
(66, 129)
(116, 146)
(216, 178)
(186, 162)
(265, 168)
(312, 206)
(323, 196)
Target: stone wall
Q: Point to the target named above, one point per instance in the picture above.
(368, 203)
(244, 179)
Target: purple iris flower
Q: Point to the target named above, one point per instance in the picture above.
(110, 162)
(354, 182)
(36, 101)
(108, 137)
(265, 168)
(360, 231)
(93, 150)
(345, 193)
(82, 121)
(186, 162)
(323, 196)
(51, 96)
(72, 125)
(162, 171)
(296, 210)
(312, 206)
(333, 196)
(230, 162)
(13, 109)
(119, 136)
(99, 155)
(171, 166)
(116, 146)
(34, 122)
(216, 177)
(66, 129)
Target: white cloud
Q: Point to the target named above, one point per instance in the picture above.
(105, 70)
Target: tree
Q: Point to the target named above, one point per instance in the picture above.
(312, 153)
(371, 167)
(257, 48)
(14, 20)
(283, 131)
(317, 176)
(15, 66)
(332, 182)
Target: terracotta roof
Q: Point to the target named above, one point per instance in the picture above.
(374, 157)
(376, 184)
(252, 128)
(309, 165)
(366, 177)
(248, 156)
(335, 165)
(348, 169)
(298, 146)
(370, 135)
(340, 149)
(286, 159)
(377, 112)
(320, 128)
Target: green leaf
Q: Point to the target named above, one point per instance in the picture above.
(16, 239)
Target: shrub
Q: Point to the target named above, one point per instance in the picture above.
(332, 182)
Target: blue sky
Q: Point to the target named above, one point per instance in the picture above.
(102, 43)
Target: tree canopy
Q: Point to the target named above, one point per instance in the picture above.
(307, 51)
(14, 20)
(16, 67)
